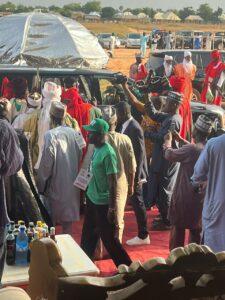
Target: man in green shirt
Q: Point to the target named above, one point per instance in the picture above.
(100, 218)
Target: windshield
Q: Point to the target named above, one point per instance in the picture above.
(220, 34)
(184, 33)
(104, 35)
(134, 36)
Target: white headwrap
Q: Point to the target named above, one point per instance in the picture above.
(167, 57)
(187, 53)
(35, 101)
(51, 92)
(188, 65)
(168, 67)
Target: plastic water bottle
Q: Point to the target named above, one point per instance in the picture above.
(21, 246)
(10, 248)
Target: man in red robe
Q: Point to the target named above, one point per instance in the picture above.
(213, 72)
(138, 70)
(71, 97)
(187, 71)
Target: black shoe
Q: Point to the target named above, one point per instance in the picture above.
(160, 226)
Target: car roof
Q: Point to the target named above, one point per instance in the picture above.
(194, 51)
(197, 106)
(55, 71)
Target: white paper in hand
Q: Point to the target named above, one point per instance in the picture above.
(83, 179)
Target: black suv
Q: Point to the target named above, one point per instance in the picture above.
(100, 84)
(200, 58)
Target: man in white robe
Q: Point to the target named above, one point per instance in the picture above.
(33, 103)
(210, 169)
(58, 170)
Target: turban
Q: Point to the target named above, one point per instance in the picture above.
(187, 53)
(167, 57)
(52, 91)
(215, 54)
(35, 100)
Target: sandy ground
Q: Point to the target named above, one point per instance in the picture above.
(122, 60)
(122, 29)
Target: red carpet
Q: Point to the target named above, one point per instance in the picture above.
(158, 247)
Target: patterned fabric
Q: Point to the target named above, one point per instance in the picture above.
(31, 129)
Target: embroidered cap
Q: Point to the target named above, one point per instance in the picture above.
(174, 96)
(204, 124)
(58, 109)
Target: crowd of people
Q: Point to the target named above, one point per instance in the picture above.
(158, 160)
(169, 40)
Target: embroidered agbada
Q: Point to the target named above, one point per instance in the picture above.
(185, 109)
(57, 172)
(31, 128)
(20, 120)
(213, 72)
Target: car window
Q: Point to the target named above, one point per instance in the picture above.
(105, 36)
(111, 93)
(154, 62)
(134, 36)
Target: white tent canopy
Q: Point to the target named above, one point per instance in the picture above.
(48, 40)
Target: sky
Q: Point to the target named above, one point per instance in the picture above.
(163, 4)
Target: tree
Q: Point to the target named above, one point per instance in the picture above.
(21, 8)
(66, 13)
(206, 12)
(121, 8)
(55, 9)
(92, 6)
(216, 14)
(149, 12)
(186, 11)
(73, 7)
(136, 11)
(108, 13)
(9, 6)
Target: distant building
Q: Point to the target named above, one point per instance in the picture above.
(159, 16)
(5, 13)
(126, 16)
(93, 17)
(78, 15)
(168, 16)
(194, 19)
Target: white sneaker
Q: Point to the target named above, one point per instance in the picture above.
(137, 241)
